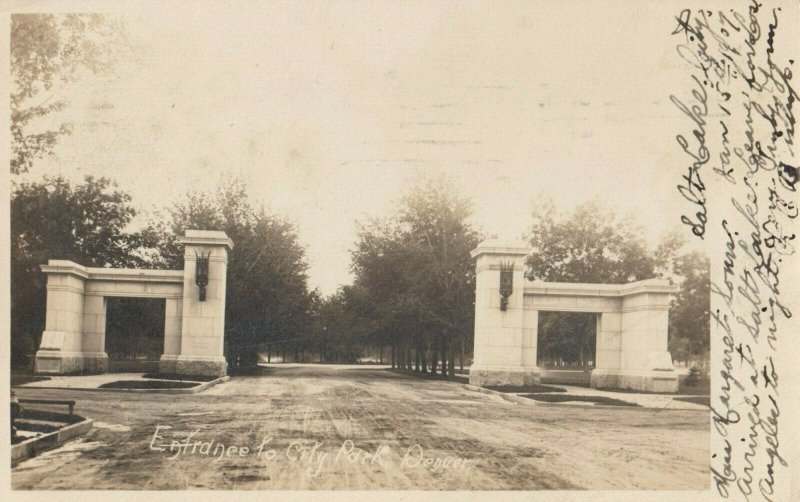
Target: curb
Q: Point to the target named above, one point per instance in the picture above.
(33, 446)
(191, 390)
(517, 399)
(514, 398)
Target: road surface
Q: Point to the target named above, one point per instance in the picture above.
(322, 427)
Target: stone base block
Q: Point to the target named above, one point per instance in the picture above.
(56, 362)
(504, 377)
(188, 365)
(645, 381)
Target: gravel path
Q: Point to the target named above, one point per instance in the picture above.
(318, 427)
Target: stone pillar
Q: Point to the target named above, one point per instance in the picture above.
(608, 336)
(94, 333)
(172, 326)
(505, 341)
(645, 363)
(202, 331)
(63, 349)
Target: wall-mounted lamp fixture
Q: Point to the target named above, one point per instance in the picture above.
(201, 273)
(506, 283)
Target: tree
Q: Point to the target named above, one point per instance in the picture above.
(434, 219)
(52, 219)
(48, 50)
(689, 330)
(339, 335)
(416, 270)
(267, 298)
(593, 245)
(383, 267)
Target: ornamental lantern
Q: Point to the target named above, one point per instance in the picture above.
(506, 283)
(201, 273)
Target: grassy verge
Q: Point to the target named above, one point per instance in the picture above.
(562, 398)
(179, 377)
(148, 384)
(532, 389)
(23, 379)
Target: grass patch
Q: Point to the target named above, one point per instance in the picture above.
(148, 384)
(702, 388)
(179, 377)
(702, 400)
(562, 398)
(531, 389)
(23, 379)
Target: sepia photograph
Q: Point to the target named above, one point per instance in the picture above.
(391, 246)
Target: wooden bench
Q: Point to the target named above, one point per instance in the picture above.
(70, 404)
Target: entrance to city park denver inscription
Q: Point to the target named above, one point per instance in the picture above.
(632, 321)
(194, 327)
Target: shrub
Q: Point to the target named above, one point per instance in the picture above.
(693, 378)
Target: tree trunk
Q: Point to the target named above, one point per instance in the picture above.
(417, 362)
(434, 356)
(401, 356)
(425, 357)
(461, 355)
(381, 356)
(444, 357)
(452, 358)
(269, 353)
(393, 355)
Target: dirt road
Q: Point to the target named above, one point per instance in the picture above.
(341, 428)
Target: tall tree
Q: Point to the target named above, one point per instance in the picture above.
(434, 219)
(689, 318)
(417, 270)
(48, 50)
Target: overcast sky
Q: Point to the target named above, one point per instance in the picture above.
(329, 111)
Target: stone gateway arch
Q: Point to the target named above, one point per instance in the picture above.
(194, 327)
(632, 321)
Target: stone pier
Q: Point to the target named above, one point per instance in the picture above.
(632, 321)
(75, 325)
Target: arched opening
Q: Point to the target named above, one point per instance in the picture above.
(134, 334)
(567, 346)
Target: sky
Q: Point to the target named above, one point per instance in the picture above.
(329, 111)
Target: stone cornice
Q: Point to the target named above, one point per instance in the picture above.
(207, 238)
(500, 247)
(65, 267)
(657, 286)
(112, 274)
